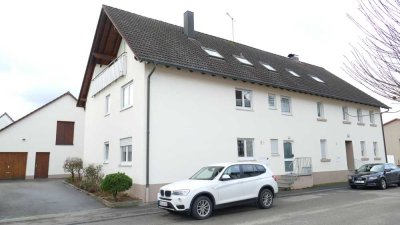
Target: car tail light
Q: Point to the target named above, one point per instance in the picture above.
(275, 178)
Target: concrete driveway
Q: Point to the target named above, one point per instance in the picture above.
(38, 197)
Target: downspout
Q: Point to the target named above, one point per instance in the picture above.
(147, 197)
(384, 142)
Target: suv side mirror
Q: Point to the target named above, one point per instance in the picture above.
(387, 170)
(225, 177)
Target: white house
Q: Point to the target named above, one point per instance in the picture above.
(161, 101)
(37, 145)
(5, 120)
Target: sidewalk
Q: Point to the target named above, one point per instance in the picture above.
(311, 190)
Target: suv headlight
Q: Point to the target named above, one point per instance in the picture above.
(182, 192)
(372, 178)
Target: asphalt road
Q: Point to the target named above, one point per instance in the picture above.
(342, 206)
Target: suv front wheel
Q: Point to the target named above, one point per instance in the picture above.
(265, 199)
(202, 208)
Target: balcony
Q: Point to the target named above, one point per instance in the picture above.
(116, 69)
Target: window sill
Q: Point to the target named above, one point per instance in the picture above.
(126, 108)
(105, 162)
(244, 109)
(377, 158)
(275, 154)
(287, 114)
(272, 108)
(364, 159)
(360, 124)
(125, 164)
(373, 125)
(346, 122)
(106, 114)
(244, 159)
(325, 160)
(322, 119)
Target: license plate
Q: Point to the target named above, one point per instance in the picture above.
(165, 204)
(359, 181)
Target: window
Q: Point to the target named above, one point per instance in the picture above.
(293, 73)
(274, 147)
(249, 170)
(65, 133)
(345, 111)
(245, 147)
(271, 101)
(363, 150)
(372, 117)
(126, 150)
(107, 109)
(243, 99)
(243, 60)
(127, 95)
(359, 116)
(106, 151)
(375, 146)
(268, 66)
(317, 79)
(233, 171)
(212, 52)
(286, 105)
(323, 149)
(320, 110)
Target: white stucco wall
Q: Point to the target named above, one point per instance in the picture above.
(101, 128)
(39, 132)
(194, 122)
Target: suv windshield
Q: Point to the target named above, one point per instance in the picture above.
(207, 173)
(371, 168)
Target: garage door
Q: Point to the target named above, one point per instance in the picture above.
(12, 165)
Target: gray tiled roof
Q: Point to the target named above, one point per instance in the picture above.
(164, 43)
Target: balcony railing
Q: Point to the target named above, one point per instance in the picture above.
(113, 71)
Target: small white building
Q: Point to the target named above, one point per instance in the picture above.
(161, 101)
(5, 120)
(37, 145)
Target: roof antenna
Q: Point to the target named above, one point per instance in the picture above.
(233, 20)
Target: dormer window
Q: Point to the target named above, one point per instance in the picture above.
(243, 60)
(317, 79)
(268, 66)
(212, 53)
(293, 73)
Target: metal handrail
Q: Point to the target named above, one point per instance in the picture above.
(109, 65)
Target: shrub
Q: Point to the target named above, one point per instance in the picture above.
(92, 177)
(116, 182)
(73, 165)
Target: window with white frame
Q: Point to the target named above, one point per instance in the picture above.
(359, 116)
(106, 151)
(363, 149)
(126, 150)
(320, 110)
(274, 147)
(127, 95)
(212, 52)
(108, 105)
(271, 101)
(345, 112)
(245, 147)
(375, 146)
(286, 105)
(243, 60)
(372, 117)
(243, 98)
(269, 67)
(323, 149)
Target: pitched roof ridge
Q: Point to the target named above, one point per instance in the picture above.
(390, 121)
(6, 114)
(40, 108)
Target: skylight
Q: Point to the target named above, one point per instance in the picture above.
(212, 52)
(317, 79)
(243, 60)
(293, 73)
(268, 66)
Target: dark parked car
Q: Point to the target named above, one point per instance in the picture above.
(375, 175)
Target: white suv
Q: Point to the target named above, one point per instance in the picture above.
(220, 185)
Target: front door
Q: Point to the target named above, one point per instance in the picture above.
(350, 155)
(288, 156)
(42, 164)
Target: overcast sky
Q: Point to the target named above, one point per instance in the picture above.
(44, 45)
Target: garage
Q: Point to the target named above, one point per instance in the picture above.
(12, 165)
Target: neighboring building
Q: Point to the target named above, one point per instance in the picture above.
(161, 101)
(5, 120)
(37, 145)
(392, 140)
